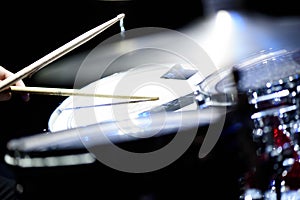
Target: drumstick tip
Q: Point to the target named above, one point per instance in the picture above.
(120, 16)
(154, 98)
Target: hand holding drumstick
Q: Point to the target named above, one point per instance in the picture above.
(6, 94)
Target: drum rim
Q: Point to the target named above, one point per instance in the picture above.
(209, 85)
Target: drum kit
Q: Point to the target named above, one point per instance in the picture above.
(173, 99)
(271, 105)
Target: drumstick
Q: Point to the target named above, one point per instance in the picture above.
(47, 59)
(73, 92)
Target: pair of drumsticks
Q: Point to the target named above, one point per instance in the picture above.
(54, 55)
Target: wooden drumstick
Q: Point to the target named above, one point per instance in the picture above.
(54, 55)
(73, 92)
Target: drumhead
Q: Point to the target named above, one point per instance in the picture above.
(150, 81)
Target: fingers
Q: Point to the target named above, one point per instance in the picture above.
(25, 96)
(4, 73)
(6, 95)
